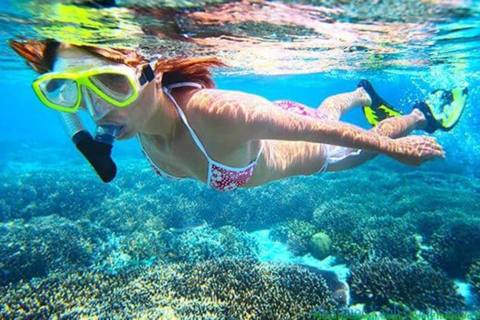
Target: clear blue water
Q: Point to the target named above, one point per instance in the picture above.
(402, 91)
(59, 223)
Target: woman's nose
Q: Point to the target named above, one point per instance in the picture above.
(97, 107)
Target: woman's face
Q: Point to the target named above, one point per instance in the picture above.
(131, 118)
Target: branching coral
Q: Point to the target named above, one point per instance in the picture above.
(207, 243)
(455, 246)
(358, 238)
(296, 234)
(386, 237)
(429, 222)
(46, 244)
(474, 278)
(219, 288)
(389, 283)
(44, 192)
(137, 208)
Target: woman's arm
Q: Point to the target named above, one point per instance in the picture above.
(250, 117)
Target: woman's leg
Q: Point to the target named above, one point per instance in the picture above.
(395, 127)
(334, 107)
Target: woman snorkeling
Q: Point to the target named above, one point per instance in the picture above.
(228, 139)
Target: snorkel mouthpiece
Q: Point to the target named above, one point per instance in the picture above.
(98, 149)
(106, 134)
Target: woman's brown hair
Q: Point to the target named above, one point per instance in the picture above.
(40, 55)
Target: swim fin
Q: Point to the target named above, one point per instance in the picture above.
(379, 109)
(443, 108)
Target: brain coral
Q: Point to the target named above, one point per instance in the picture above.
(388, 283)
(214, 289)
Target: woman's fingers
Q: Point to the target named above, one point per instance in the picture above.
(415, 150)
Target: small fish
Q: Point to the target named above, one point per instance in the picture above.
(196, 226)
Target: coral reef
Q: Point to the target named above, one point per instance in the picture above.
(392, 284)
(46, 244)
(219, 288)
(356, 237)
(43, 192)
(208, 243)
(295, 233)
(137, 196)
(123, 227)
(474, 278)
(429, 222)
(337, 220)
(455, 246)
(386, 237)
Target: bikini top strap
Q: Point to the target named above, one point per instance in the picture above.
(259, 152)
(167, 90)
(183, 84)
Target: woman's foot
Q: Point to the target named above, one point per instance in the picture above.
(363, 97)
(443, 109)
(378, 109)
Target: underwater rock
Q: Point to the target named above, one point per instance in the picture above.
(220, 288)
(320, 245)
(396, 285)
(455, 246)
(46, 244)
(295, 233)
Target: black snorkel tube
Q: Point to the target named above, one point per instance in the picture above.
(96, 149)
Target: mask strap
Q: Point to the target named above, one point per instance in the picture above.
(147, 73)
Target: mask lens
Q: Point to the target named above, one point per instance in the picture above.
(62, 92)
(116, 86)
(97, 107)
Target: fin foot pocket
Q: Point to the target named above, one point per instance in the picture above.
(379, 109)
(443, 108)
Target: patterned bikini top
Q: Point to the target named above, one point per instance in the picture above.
(220, 177)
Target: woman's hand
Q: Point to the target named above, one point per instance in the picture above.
(415, 150)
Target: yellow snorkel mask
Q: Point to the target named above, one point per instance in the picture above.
(116, 84)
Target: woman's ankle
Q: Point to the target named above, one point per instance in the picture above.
(420, 120)
(363, 96)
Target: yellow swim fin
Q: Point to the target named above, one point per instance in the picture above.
(379, 109)
(443, 108)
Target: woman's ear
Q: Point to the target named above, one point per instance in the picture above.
(39, 54)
